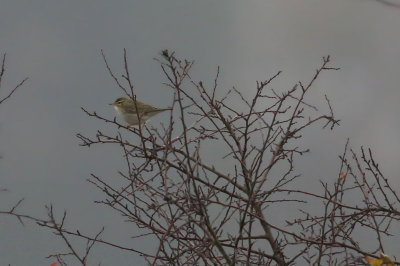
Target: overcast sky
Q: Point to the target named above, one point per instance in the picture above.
(57, 44)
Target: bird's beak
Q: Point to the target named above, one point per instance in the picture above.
(111, 104)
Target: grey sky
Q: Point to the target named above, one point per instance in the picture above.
(57, 44)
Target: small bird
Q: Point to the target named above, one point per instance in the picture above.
(131, 110)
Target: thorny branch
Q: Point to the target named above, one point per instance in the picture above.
(203, 183)
(2, 72)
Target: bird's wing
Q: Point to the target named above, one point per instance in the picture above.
(140, 106)
(145, 107)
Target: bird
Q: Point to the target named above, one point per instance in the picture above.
(133, 111)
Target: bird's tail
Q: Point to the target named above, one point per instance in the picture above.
(158, 110)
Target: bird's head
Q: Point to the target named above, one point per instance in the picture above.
(121, 102)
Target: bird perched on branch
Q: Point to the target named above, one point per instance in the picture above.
(133, 111)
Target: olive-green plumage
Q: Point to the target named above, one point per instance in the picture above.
(133, 111)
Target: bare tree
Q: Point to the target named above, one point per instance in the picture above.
(203, 210)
